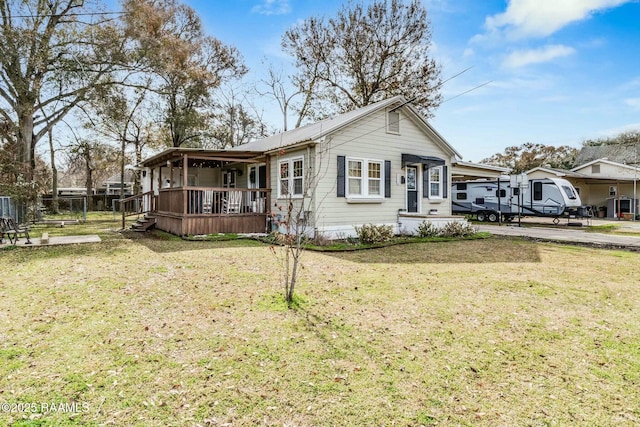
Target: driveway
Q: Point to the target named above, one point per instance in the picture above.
(540, 229)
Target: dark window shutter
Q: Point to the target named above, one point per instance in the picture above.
(425, 183)
(387, 178)
(341, 173)
(445, 182)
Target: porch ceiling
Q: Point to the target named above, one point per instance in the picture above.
(200, 157)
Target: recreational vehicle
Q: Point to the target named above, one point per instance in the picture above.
(516, 196)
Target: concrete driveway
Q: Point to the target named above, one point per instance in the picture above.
(540, 229)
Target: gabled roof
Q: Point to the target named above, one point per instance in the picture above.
(317, 131)
(558, 172)
(482, 166)
(605, 161)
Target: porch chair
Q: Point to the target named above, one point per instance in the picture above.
(233, 202)
(207, 201)
(11, 229)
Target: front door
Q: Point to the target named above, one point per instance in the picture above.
(412, 189)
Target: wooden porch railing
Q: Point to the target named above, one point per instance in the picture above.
(139, 204)
(213, 201)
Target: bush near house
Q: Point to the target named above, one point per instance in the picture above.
(371, 233)
(451, 229)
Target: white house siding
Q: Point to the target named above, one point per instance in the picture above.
(368, 139)
(608, 170)
(279, 205)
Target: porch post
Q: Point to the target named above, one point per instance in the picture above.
(185, 166)
(268, 184)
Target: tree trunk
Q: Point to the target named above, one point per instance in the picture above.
(26, 142)
(55, 206)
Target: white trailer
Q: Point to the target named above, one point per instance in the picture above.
(517, 196)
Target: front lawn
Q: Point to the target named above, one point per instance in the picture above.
(152, 331)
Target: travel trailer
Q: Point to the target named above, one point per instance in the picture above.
(517, 195)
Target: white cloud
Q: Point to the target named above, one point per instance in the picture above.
(633, 103)
(272, 7)
(520, 58)
(540, 18)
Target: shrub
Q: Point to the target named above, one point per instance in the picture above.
(371, 233)
(427, 229)
(457, 229)
(450, 229)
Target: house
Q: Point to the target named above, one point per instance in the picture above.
(380, 164)
(464, 171)
(610, 187)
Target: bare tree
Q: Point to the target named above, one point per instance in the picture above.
(293, 213)
(363, 55)
(187, 64)
(235, 120)
(95, 160)
(287, 91)
(50, 58)
(122, 115)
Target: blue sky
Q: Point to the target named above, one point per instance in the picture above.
(560, 71)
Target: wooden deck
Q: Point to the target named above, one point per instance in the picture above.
(206, 210)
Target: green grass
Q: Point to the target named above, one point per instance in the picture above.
(150, 330)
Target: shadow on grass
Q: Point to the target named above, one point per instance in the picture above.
(162, 242)
(484, 251)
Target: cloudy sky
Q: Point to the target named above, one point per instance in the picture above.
(551, 71)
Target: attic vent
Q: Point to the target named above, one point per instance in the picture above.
(595, 168)
(393, 122)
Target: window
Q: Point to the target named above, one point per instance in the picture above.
(461, 196)
(375, 176)
(291, 181)
(229, 179)
(537, 191)
(393, 122)
(569, 192)
(461, 186)
(364, 178)
(435, 182)
(355, 177)
(501, 193)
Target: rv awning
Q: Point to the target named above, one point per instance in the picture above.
(428, 161)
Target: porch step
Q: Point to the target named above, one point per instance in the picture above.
(143, 224)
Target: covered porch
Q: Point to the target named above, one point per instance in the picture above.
(196, 191)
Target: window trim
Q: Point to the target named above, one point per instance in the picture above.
(389, 129)
(290, 178)
(365, 179)
(440, 170)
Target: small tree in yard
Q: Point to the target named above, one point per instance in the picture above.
(291, 242)
(297, 183)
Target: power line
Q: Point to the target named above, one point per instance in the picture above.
(467, 91)
(49, 15)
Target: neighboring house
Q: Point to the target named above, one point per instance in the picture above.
(380, 164)
(608, 186)
(463, 171)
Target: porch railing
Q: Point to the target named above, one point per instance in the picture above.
(213, 201)
(139, 204)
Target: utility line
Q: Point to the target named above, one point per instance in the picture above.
(49, 15)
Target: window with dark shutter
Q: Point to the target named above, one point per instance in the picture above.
(341, 180)
(387, 178)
